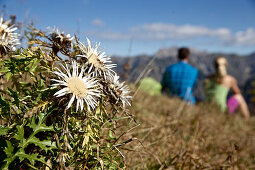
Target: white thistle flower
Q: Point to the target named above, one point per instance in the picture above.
(83, 88)
(55, 33)
(8, 38)
(97, 61)
(121, 90)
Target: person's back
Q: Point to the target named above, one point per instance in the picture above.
(179, 78)
(218, 91)
(218, 85)
(150, 86)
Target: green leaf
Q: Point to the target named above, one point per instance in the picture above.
(33, 66)
(111, 135)
(20, 135)
(8, 76)
(15, 96)
(45, 144)
(3, 130)
(40, 127)
(4, 105)
(31, 157)
(9, 149)
(4, 69)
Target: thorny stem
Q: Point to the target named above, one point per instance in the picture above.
(64, 127)
(64, 133)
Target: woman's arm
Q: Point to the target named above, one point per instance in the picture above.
(234, 86)
(243, 105)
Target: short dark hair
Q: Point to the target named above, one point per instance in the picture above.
(183, 53)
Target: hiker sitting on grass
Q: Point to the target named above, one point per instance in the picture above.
(179, 79)
(150, 86)
(217, 87)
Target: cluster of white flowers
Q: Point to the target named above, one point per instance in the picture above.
(8, 38)
(82, 82)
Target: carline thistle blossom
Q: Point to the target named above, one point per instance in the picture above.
(55, 33)
(8, 38)
(83, 88)
(98, 62)
(121, 90)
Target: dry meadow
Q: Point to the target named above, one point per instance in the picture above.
(168, 134)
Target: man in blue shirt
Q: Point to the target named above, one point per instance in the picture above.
(179, 78)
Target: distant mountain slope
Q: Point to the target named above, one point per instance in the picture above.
(241, 67)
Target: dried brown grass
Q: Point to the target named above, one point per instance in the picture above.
(173, 135)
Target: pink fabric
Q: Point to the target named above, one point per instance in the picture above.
(232, 104)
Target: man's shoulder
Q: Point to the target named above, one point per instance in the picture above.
(181, 65)
(170, 67)
(187, 66)
(192, 68)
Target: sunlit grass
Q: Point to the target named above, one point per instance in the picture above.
(191, 137)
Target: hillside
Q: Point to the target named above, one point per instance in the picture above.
(171, 135)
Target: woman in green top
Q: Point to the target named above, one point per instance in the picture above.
(218, 85)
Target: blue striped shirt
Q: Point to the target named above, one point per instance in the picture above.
(179, 80)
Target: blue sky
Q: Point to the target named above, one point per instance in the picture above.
(212, 25)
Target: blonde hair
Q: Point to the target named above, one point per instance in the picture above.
(221, 67)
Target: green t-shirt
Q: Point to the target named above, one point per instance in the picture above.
(217, 93)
